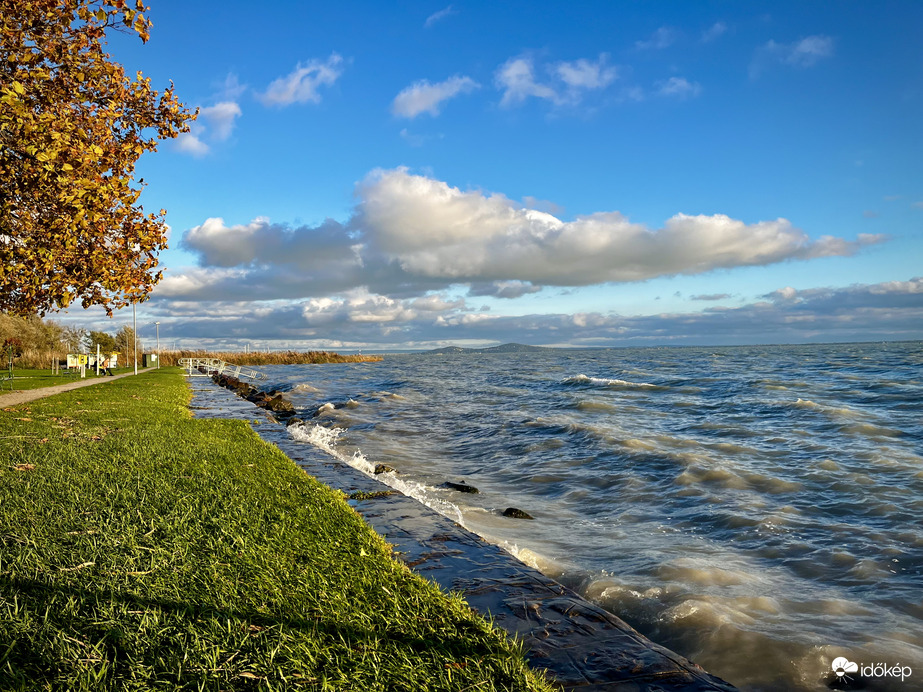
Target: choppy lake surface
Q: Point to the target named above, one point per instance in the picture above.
(757, 509)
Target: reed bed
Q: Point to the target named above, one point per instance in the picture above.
(267, 357)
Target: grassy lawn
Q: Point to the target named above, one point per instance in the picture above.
(141, 549)
(36, 379)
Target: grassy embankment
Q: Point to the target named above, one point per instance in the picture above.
(144, 549)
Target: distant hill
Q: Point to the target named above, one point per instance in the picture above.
(505, 348)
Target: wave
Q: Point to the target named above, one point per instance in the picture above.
(326, 439)
(604, 382)
(305, 387)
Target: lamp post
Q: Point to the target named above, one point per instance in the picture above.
(134, 329)
(157, 325)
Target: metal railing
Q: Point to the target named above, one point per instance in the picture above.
(204, 367)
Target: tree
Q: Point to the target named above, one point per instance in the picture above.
(104, 340)
(125, 342)
(72, 127)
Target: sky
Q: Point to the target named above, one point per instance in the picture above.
(384, 176)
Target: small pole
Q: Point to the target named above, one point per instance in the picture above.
(157, 324)
(97, 360)
(134, 319)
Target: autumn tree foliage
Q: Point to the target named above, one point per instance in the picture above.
(72, 127)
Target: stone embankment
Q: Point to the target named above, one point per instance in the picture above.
(583, 647)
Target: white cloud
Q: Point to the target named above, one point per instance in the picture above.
(220, 118)
(231, 89)
(803, 53)
(569, 80)
(890, 310)
(423, 97)
(410, 234)
(189, 143)
(516, 78)
(583, 74)
(439, 16)
(714, 31)
(679, 87)
(303, 83)
(432, 229)
(664, 37)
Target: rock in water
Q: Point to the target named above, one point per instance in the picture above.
(460, 487)
(383, 468)
(516, 513)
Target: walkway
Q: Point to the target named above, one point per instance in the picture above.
(23, 396)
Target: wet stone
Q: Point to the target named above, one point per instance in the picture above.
(516, 513)
(460, 487)
(383, 468)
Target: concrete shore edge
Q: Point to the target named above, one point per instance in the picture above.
(583, 647)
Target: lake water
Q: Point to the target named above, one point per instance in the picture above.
(757, 509)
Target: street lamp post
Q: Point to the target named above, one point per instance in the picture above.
(134, 321)
(157, 324)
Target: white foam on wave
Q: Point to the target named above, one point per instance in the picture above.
(605, 382)
(305, 387)
(832, 411)
(326, 439)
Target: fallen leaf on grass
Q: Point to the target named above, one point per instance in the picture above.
(28, 420)
(24, 467)
(251, 676)
(72, 569)
(9, 409)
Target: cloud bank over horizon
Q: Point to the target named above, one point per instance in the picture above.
(358, 319)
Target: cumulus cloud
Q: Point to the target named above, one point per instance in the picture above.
(439, 16)
(302, 85)
(410, 234)
(803, 53)
(423, 97)
(679, 87)
(432, 229)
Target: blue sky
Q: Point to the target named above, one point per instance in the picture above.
(364, 175)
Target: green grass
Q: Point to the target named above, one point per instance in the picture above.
(141, 549)
(36, 379)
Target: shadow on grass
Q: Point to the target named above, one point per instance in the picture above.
(31, 653)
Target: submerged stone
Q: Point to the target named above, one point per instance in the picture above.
(460, 487)
(516, 513)
(383, 468)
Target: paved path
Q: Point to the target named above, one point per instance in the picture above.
(21, 396)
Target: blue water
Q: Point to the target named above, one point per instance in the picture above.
(757, 509)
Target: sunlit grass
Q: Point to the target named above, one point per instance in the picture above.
(142, 549)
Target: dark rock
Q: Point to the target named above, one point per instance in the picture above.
(460, 487)
(277, 403)
(383, 468)
(516, 513)
(293, 421)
